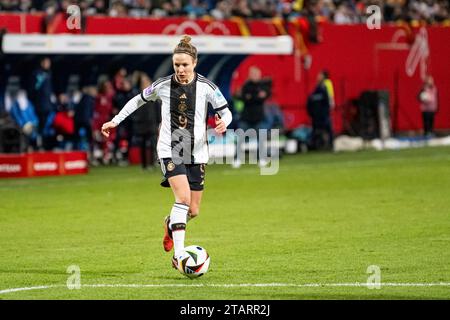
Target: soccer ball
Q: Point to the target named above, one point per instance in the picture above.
(193, 262)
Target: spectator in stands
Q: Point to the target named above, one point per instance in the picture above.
(443, 12)
(241, 9)
(25, 5)
(141, 8)
(285, 10)
(22, 111)
(254, 93)
(42, 97)
(195, 9)
(97, 8)
(429, 102)
(274, 116)
(63, 122)
(392, 10)
(345, 15)
(50, 12)
(338, 11)
(103, 111)
(259, 9)
(64, 4)
(236, 107)
(84, 112)
(10, 136)
(10, 5)
(118, 9)
(2, 93)
(146, 121)
(318, 107)
(222, 10)
(124, 93)
(311, 11)
(327, 9)
(425, 9)
(329, 86)
(177, 8)
(119, 79)
(164, 9)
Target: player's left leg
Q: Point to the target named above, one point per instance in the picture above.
(196, 177)
(194, 208)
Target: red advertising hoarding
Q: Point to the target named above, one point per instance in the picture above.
(43, 164)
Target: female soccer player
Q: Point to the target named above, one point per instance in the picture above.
(182, 144)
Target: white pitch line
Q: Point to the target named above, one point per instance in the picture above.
(27, 288)
(235, 285)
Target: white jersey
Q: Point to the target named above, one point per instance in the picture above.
(184, 112)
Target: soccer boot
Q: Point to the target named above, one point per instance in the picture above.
(167, 240)
(175, 263)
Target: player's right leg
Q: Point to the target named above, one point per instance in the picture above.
(178, 215)
(175, 223)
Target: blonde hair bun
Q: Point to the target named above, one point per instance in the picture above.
(184, 46)
(186, 39)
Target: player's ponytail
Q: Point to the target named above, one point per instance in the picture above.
(185, 46)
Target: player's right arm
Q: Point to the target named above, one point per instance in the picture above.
(148, 94)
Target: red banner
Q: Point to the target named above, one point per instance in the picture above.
(107, 25)
(21, 23)
(26, 23)
(43, 164)
(394, 59)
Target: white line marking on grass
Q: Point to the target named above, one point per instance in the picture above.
(232, 285)
(28, 288)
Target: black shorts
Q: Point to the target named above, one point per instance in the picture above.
(195, 173)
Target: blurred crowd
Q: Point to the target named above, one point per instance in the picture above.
(337, 11)
(35, 117)
(40, 119)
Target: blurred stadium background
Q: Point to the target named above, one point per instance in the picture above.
(65, 70)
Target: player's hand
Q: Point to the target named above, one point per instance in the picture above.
(220, 125)
(106, 128)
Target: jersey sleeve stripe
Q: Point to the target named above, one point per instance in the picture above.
(205, 80)
(142, 97)
(222, 107)
(208, 83)
(161, 80)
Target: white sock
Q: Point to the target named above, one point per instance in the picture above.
(178, 217)
(178, 242)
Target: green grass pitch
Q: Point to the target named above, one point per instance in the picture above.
(320, 222)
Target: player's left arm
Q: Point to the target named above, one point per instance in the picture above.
(223, 115)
